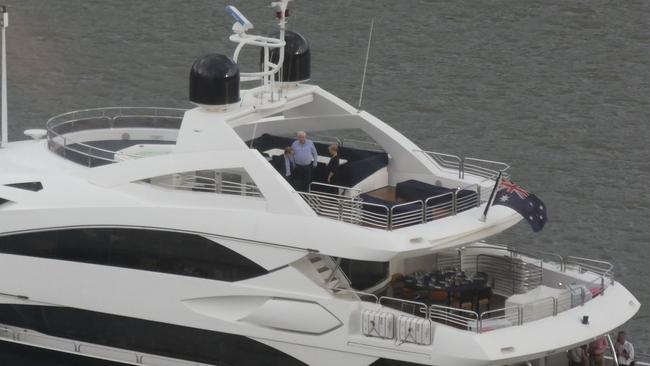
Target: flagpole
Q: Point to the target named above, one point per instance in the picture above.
(5, 129)
(492, 195)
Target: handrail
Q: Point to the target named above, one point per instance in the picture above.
(353, 209)
(407, 218)
(423, 308)
(460, 317)
(477, 167)
(488, 315)
(481, 171)
(512, 315)
(354, 191)
(445, 161)
(58, 139)
(586, 264)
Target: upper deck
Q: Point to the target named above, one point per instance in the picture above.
(374, 193)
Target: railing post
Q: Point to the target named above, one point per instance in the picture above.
(461, 169)
(602, 285)
(340, 213)
(453, 203)
(424, 210)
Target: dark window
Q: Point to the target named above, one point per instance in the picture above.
(28, 186)
(387, 362)
(364, 274)
(2, 201)
(192, 344)
(149, 250)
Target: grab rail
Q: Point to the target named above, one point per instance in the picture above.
(420, 306)
(585, 264)
(353, 209)
(460, 317)
(512, 315)
(477, 167)
(112, 118)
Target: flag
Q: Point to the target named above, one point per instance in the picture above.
(522, 201)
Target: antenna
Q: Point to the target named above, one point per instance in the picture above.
(365, 66)
(4, 23)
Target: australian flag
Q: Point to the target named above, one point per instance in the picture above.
(525, 203)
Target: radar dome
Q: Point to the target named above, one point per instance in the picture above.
(297, 57)
(214, 80)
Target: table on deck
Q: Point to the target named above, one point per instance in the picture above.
(441, 287)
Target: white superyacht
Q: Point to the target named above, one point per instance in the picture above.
(158, 236)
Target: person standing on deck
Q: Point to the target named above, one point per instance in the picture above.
(306, 158)
(624, 350)
(597, 350)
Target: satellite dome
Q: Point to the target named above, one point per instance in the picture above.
(297, 57)
(214, 80)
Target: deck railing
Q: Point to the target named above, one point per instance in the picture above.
(512, 315)
(348, 207)
(64, 132)
(479, 167)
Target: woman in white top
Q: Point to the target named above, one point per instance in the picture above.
(624, 350)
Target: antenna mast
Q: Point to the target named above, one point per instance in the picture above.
(365, 66)
(4, 23)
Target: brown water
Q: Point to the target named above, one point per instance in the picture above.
(560, 89)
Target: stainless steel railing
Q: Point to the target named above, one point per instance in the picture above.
(510, 275)
(348, 207)
(191, 182)
(478, 167)
(466, 319)
(528, 273)
(602, 268)
(63, 131)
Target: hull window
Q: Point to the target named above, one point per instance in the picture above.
(149, 250)
(27, 186)
(168, 340)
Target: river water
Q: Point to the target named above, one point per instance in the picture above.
(560, 89)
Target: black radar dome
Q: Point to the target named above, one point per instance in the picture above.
(214, 80)
(297, 57)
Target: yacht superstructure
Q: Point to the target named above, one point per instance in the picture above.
(157, 236)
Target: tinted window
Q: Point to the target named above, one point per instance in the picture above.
(192, 344)
(28, 186)
(364, 274)
(150, 250)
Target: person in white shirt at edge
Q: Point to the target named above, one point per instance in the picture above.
(305, 157)
(624, 350)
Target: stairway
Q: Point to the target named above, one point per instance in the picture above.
(332, 276)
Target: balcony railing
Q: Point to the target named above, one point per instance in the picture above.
(511, 315)
(487, 169)
(348, 206)
(72, 136)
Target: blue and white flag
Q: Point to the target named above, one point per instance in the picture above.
(522, 201)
